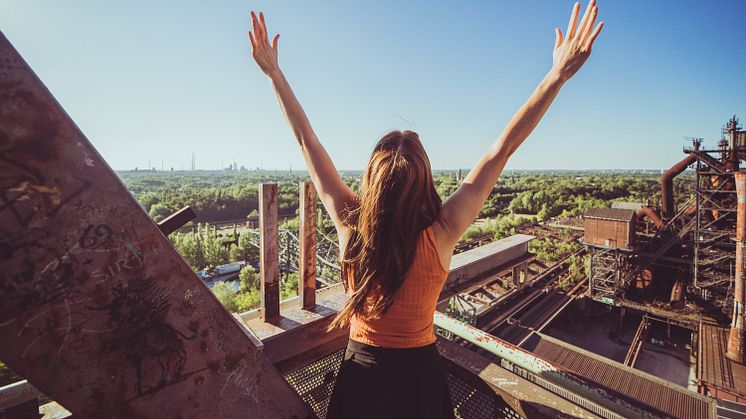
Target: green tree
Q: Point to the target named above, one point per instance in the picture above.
(248, 300)
(289, 286)
(159, 211)
(226, 296)
(248, 278)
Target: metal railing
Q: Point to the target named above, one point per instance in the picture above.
(542, 372)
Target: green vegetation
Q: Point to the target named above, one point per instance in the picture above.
(206, 248)
(214, 196)
(498, 228)
(579, 269)
(519, 200)
(221, 196)
(551, 251)
(248, 297)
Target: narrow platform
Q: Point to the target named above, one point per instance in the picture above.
(719, 376)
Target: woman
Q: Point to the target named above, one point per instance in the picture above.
(396, 238)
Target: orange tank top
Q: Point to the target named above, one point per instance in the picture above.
(408, 323)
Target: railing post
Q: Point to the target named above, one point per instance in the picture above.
(268, 248)
(307, 265)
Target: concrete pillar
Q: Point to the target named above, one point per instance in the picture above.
(307, 265)
(269, 252)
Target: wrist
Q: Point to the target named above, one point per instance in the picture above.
(274, 73)
(556, 77)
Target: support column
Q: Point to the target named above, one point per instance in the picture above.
(269, 255)
(736, 336)
(307, 265)
(516, 275)
(524, 272)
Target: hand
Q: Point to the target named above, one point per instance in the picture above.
(572, 51)
(264, 55)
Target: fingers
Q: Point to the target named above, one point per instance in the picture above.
(594, 35)
(274, 42)
(589, 26)
(256, 29)
(264, 26)
(586, 17)
(558, 39)
(253, 42)
(260, 34)
(572, 26)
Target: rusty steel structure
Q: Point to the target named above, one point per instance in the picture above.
(714, 261)
(97, 309)
(608, 390)
(692, 244)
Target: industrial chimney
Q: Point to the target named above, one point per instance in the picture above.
(736, 337)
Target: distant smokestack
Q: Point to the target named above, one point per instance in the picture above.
(736, 336)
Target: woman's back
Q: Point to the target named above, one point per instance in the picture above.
(391, 368)
(408, 323)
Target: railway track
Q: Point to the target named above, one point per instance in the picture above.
(532, 308)
(519, 327)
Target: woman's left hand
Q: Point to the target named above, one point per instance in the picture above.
(264, 54)
(573, 49)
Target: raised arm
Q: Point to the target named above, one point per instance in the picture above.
(333, 192)
(570, 53)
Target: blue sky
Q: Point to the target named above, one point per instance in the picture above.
(156, 81)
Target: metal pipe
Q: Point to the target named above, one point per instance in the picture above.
(537, 366)
(651, 215)
(667, 206)
(735, 350)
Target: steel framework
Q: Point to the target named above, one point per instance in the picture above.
(714, 248)
(607, 279)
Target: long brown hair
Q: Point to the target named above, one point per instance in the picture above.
(397, 202)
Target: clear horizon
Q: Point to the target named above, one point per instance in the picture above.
(152, 82)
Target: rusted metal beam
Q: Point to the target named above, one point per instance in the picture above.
(97, 309)
(527, 399)
(539, 367)
(307, 264)
(269, 252)
(18, 393)
(176, 220)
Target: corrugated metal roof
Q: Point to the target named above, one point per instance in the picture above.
(610, 214)
(630, 384)
(716, 368)
(627, 205)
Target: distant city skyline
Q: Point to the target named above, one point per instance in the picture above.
(151, 83)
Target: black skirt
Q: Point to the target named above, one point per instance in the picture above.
(382, 383)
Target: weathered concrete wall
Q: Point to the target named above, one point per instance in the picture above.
(97, 309)
(468, 266)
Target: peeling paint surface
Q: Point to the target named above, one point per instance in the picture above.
(97, 309)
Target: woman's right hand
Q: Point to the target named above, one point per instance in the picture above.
(264, 54)
(572, 50)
